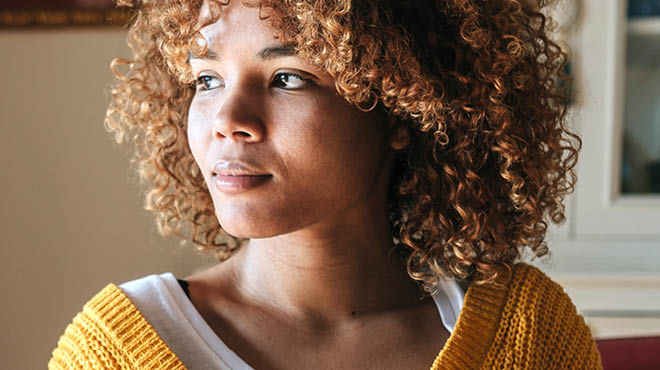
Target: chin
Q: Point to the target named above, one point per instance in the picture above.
(247, 228)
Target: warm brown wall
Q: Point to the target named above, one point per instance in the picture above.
(69, 220)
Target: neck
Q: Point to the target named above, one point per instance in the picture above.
(325, 277)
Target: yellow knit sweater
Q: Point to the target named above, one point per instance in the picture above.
(528, 324)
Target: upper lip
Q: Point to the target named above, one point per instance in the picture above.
(236, 168)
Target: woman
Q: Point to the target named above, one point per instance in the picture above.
(368, 171)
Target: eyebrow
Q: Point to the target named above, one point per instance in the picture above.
(276, 52)
(268, 53)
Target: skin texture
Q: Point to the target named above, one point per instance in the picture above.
(477, 84)
(317, 274)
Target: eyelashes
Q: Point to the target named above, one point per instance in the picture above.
(207, 82)
(297, 81)
(282, 80)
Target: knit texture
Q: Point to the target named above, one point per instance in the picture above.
(110, 333)
(529, 323)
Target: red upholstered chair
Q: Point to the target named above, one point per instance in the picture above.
(630, 353)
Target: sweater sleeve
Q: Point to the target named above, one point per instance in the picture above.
(570, 344)
(541, 328)
(111, 334)
(84, 346)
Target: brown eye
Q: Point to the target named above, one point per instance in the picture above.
(290, 81)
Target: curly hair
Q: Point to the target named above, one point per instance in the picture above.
(477, 84)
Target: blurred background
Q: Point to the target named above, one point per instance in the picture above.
(71, 217)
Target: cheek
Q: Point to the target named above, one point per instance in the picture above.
(343, 151)
(352, 141)
(198, 132)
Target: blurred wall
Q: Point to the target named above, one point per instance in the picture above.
(70, 221)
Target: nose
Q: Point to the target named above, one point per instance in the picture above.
(239, 118)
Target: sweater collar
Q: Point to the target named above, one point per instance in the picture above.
(475, 329)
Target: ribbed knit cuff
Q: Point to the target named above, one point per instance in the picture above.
(129, 332)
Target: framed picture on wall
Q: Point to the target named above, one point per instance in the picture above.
(61, 13)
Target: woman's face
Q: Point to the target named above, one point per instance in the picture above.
(309, 157)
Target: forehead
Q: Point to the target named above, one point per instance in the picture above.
(237, 23)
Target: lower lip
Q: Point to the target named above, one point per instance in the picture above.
(237, 184)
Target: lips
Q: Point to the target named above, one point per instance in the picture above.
(236, 168)
(235, 177)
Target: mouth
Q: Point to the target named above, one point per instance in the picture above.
(239, 183)
(235, 177)
(227, 168)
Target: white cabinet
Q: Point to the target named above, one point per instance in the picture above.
(610, 83)
(607, 255)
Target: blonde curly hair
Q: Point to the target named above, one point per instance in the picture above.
(475, 83)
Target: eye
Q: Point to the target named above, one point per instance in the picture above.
(208, 82)
(290, 81)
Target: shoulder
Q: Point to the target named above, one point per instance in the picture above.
(539, 318)
(531, 292)
(534, 296)
(529, 282)
(111, 333)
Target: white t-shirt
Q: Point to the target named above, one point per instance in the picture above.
(164, 304)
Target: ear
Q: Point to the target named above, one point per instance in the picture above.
(399, 134)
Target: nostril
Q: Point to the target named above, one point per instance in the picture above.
(241, 135)
(238, 131)
(237, 135)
